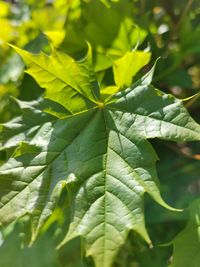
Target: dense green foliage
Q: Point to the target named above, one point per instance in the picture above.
(76, 166)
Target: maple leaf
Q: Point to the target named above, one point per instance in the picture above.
(98, 149)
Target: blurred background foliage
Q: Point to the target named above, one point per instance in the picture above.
(114, 28)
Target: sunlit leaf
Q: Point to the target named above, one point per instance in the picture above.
(126, 67)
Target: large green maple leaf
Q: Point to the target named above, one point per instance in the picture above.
(99, 150)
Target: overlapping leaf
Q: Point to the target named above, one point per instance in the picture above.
(99, 150)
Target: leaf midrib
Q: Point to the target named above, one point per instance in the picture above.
(105, 186)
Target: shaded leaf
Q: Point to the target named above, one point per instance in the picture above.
(15, 252)
(187, 243)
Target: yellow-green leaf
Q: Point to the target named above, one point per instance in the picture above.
(126, 67)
